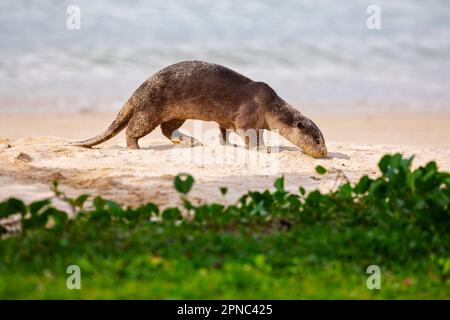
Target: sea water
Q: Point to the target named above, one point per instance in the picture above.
(318, 55)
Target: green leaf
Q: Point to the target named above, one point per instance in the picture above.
(410, 182)
(384, 163)
(171, 214)
(345, 190)
(12, 206)
(321, 170)
(279, 184)
(38, 205)
(302, 191)
(147, 210)
(187, 204)
(183, 183)
(293, 201)
(259, 210)
(114, 208)
(378, 188)
(223, 190)
(363, 185)
(99, 203)
(58, 217)
(80, 200)
(431, 166)
(55, 185)
(100, 214)
(406, 163)
(216, 208)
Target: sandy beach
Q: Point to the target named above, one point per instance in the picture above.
(33, 154)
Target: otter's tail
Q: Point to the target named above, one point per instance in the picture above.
(119, 123)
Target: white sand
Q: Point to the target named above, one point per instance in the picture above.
(29, 165)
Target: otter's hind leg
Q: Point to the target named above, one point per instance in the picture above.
(141, 124)
(170, 130)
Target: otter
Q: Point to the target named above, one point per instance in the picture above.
(209, 92)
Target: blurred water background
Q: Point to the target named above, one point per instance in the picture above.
(318, 55)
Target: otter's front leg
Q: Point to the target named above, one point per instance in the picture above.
(254, 140)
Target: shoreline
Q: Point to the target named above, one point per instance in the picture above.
(408, 130)
(36, 154)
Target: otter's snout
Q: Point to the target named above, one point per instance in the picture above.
(317, 152)
(309, 137)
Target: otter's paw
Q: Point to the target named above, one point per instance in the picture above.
(187, 141)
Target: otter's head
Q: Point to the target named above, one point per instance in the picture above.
(305, 134)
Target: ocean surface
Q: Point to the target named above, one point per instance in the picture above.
(318, 55)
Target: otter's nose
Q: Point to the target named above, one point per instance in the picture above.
(323, 151)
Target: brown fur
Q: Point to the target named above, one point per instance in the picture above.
(209, 92)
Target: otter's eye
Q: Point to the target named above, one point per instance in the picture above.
(300, 125)
(317, 141)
